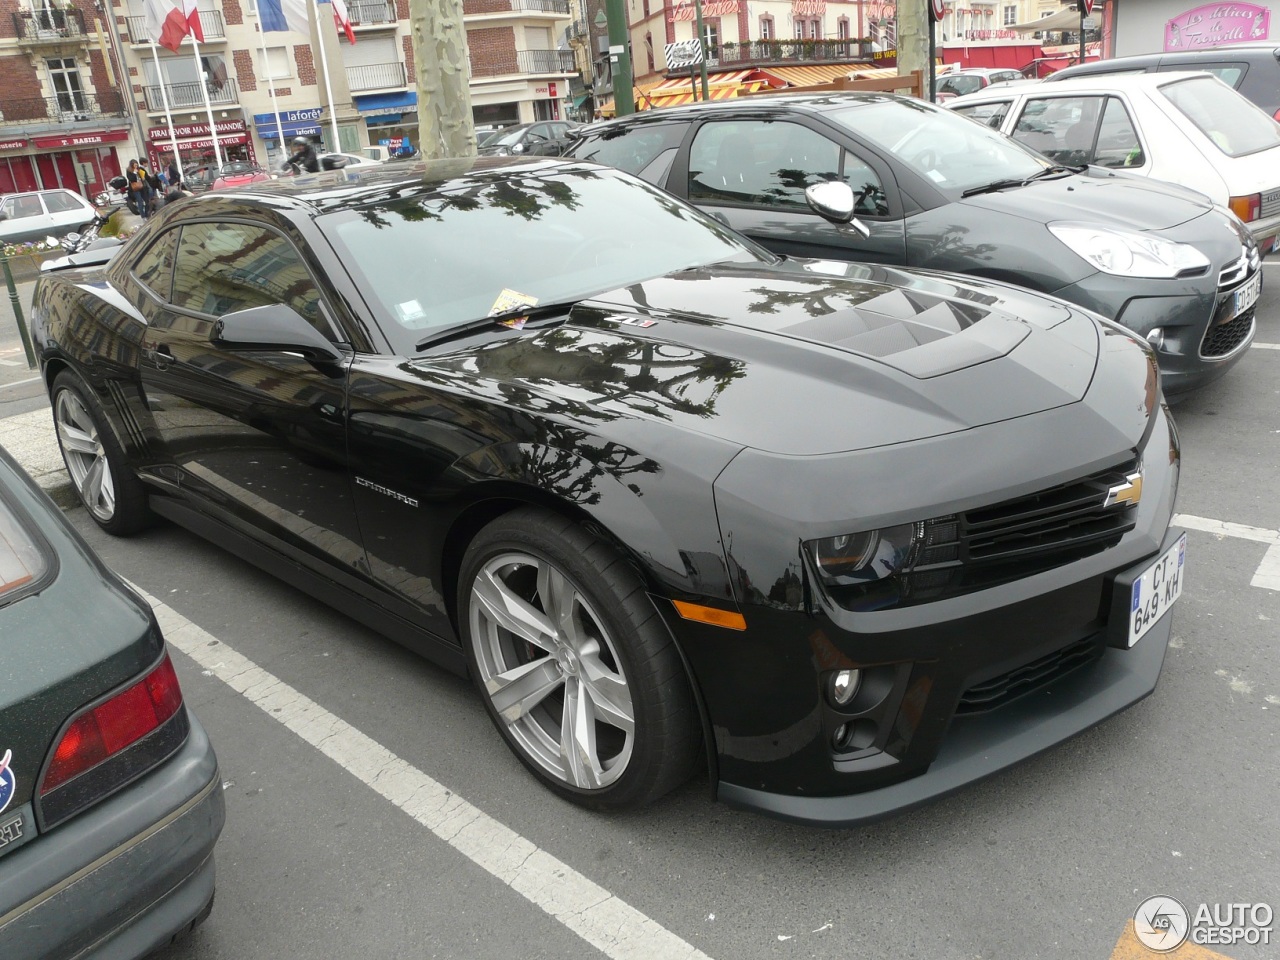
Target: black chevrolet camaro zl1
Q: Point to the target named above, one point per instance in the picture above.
(851, 535)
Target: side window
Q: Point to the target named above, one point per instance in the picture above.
(58, 202)
(1118, 144)
(1229, 73)
(631, 150)
(19, 208)
(771, 163)
(656, 171)
(989, 114)
(154, 269)
(1062, 128)
(223, 267)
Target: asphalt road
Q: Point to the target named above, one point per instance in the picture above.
(1178, 796)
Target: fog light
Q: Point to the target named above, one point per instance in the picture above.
(1156, 338)
(844, 686)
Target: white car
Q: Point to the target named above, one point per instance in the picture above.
(1185, 128)
(42, 213)
(348, 160)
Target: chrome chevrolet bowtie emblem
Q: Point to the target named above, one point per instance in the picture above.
(1129, 492)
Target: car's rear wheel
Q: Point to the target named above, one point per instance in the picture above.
(577, 670)
(109, 490)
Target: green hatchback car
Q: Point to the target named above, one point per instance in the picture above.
(110, 801)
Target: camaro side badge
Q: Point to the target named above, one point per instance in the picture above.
(386, 491)
(1129, 492)
(8, 782)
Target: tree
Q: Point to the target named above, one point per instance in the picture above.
(445, 125)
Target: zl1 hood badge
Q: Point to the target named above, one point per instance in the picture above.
(642, 322)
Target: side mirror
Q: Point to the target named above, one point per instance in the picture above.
(832, 200)
(275, 327)
(517, 148)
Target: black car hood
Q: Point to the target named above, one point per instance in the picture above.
(808, 357)
(1100, 196)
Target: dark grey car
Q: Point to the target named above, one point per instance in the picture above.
(110, 800)
(930, 189)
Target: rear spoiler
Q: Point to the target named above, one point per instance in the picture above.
(89, 258)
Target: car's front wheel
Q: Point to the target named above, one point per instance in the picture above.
(109, 490)
(577, 670)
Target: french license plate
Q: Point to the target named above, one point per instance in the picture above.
(1248, 295)
(1156, 590)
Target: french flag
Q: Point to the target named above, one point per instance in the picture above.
(167, 25)
(280, 16)
(341, 19)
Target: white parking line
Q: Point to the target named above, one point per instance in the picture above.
(18, 383)
(609, 924)
(1266, 346)
(1267, 575)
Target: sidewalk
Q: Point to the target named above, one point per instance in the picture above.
(30, 439)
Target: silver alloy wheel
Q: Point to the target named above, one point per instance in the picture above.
(86, 459)
(551, 671)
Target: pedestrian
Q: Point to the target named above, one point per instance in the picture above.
(175, 172)
(140, 192)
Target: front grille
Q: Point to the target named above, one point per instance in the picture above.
(1270, 203)
(1226, 337)
(1000, 690)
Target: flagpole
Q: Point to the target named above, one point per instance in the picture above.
(328, 87)
(271, 84)
(168, 117)
(204, 88)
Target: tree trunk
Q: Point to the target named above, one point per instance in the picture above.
(445, 124)
(913, 38)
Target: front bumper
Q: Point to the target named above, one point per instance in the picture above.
(124, 877)
(976, 747)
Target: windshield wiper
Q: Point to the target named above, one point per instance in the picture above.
(460, 330)
(1010, 184)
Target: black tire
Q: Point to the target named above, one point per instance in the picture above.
(108, 488)
(610, 655)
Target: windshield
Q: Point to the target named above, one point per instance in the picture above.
(506, 138)
(952, 151)
(438, 259)
(1233, 124)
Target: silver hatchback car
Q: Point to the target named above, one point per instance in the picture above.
(42, 213)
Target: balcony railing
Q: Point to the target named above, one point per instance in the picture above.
(67, 108)
(48, 25)
(545, 61)
(371, 13)
(558, 7)
(184, 96)
(376, 76)
(792, 51)
(211, 25)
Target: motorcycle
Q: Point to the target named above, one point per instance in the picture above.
(87, 246)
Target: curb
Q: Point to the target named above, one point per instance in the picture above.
(30, 440)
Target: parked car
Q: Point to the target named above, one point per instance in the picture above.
(344, 160)
(546, 138)
(929, 189)
(970, 80)
(665, 496)
(1185, 128)
(42, 213)
(1251, 68)
(237, 174)
(110, 799)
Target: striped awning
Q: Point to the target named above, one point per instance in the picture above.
(721, 86)
(808, 76)
(607, 108)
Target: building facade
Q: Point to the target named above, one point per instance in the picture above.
(63, 119)
(82, 92)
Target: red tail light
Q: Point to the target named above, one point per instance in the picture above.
(1276, 115)
(112, 726)
(1247, 208)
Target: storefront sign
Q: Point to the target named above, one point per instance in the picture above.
(1217, 23)
(233, 141)
(553, 91)
(710, 8)
(157, 134)
(13, 144)
(387, 104)
(81, 139)
(295, 123)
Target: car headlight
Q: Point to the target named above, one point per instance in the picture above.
(1127, 254)
(858, 558)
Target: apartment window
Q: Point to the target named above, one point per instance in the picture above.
(277, 65)
(842, 28)
(799, 29)
(648, 49)
(711, 37)
(64, 78)
(646, 9)
(766, 28)
(815, 29)
(1010, 15)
